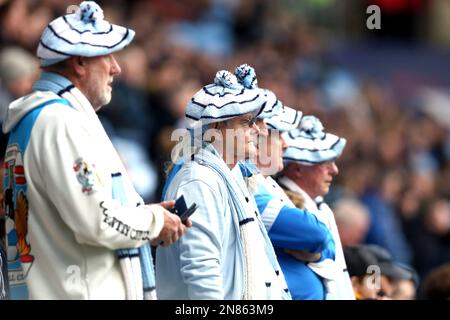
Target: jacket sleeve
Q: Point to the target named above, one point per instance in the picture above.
(78, 181)
(330, 250)
(200, 248)
(292, 228)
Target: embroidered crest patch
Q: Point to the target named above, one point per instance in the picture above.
(86, 176)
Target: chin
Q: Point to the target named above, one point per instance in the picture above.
(324, 191)
(280, 167)
(107, 99)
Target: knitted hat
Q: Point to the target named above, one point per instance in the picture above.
(275, 114)
(222, 100)
(83, 33)
(287, 119)
(310, 145)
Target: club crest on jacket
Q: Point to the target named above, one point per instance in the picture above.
(86, 176)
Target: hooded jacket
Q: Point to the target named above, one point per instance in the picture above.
(63, 223)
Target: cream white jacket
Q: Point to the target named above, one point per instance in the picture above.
(74, 224)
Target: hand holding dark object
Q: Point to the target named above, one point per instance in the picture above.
(173, 228)
(303, 255)
(180, 208)
(185, 215)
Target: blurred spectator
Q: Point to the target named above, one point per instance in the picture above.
(211, 33)
(18, 71)
(375, 275)
(389, 100)
(429, 235)
(398, 281)
(437, 283)
(404, 290)
(363, 280)
(14, 12)
(386, 229)
(352, 219)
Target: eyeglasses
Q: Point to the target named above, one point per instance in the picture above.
(250, 122)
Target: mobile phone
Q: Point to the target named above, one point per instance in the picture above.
(188, 212)
(182, 210)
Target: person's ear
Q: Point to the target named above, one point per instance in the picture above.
(78, 65)
(355, 283)
(298, 171)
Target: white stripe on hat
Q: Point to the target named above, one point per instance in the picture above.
(84, 33)
(223, 100)
(287, 119)
(310, 145)
(63, 31)
(272, 107)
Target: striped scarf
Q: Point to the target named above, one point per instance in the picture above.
(136, 263)
(248, 232)
(334, 272)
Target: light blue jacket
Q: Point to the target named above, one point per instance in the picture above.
(202, 264)
(208, 262)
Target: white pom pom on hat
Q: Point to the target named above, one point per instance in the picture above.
(222, 100)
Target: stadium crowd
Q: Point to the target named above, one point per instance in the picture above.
(393, 185)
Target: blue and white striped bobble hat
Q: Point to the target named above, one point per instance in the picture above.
(310, 144)
(287, 119)
(83, 33)
(276, 115)
(222, 100)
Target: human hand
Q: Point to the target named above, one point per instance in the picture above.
(303, 255)
(173, 228)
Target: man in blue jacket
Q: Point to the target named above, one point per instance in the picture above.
(296, 234)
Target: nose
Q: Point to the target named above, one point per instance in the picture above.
(256, 128)
(284, 144)
(263, 130)
(115, 68)
(334, 168)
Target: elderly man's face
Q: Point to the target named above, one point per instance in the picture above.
(316, 179)
(241, 137)
(99, 78)
(270, 152)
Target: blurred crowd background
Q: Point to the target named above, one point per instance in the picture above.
(385, 90)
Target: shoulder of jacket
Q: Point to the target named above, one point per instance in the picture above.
(60, 115)
(193, 173)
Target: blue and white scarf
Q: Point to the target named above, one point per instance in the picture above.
(243, 222)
